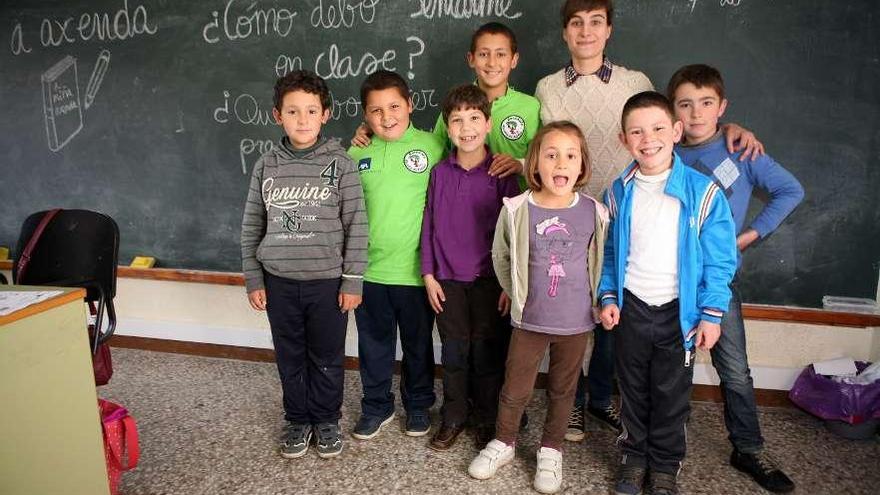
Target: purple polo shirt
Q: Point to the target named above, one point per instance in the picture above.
(459, 221)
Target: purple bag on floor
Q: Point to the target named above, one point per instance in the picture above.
(828, 399)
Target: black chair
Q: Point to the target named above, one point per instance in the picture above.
(79, 248)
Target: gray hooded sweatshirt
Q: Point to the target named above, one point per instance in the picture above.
(305, 217)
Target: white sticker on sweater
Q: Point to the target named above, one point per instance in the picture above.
(726, 173)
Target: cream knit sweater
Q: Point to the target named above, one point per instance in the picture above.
(596, 108)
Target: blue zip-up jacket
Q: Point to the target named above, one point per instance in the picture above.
(738, 178)
(706, 245)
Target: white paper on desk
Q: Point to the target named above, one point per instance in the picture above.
(12, 301)
(836, 367)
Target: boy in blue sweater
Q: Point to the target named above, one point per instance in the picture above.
(697, 92)
(668, 263)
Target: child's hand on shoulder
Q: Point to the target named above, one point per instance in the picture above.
(504, 304)
(609, 316)
(435, 293)
(708, 334)
(257, 298)
(348, 302)
(362, 136)
(504, 165)
(741, 139)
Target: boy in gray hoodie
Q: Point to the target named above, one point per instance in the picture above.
(304, 249)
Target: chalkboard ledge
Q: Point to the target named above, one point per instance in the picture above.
(750, 311)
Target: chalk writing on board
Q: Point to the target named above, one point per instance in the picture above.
(235, 25)
(245, 109)
(120, 25)
(334, 14)
(16, 43)
(465, 9)
(330, 65)
(285, 64)
(420, 49)
(61, 103)
(249, 146)
(723, 3)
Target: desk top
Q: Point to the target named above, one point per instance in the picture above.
(70, 294)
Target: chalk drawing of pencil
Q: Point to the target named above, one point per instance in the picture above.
(101, 66)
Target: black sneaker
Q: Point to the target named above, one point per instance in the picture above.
(575, 431)
(329, 440)
(418, 423)
(629, 480)
(662, 484)
(608, 416)
(368, 426)
(295, 439)
(763, 469)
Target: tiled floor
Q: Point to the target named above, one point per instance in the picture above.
(209, 426)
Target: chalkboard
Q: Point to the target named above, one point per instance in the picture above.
(154, 111)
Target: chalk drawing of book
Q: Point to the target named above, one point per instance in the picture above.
(61, 103)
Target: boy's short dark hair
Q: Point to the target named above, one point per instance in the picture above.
(302, 80)
(533, 179)
(572, 7)
(494, 28)
(646, 99)
(465, 97)
(383, 79)
(700, 75)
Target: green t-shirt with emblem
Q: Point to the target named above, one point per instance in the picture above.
(516, 118)
(395, 177)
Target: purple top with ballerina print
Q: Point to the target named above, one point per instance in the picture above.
(559, 298)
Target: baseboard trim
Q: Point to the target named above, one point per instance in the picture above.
(701, 392)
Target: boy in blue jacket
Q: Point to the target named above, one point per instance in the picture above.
(668, 263)
(697, 93)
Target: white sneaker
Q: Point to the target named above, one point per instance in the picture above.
(548, 474)
(495, 455)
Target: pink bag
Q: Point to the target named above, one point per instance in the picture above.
(120, 438)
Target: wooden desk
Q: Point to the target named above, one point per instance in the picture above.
(50, 430)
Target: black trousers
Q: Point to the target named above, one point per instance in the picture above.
(655, 385)
(475, 339)
(308, 331)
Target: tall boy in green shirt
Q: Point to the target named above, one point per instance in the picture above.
(394, 171)
(516, 116)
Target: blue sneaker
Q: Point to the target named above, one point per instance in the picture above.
(368, 427)
(418, 423)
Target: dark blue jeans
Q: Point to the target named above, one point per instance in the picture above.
(601, 372)
(383, 310)
(308, 333)
(732, 364)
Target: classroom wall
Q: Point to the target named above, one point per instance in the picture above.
(220, 314)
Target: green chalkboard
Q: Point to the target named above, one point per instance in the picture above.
(154, 111)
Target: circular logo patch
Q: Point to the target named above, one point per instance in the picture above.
(513, 127)
(416, 161)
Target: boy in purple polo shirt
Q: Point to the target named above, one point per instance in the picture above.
(457, 230)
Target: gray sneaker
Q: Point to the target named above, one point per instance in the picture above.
(629, 480)
(329, 440)
(295, 440)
